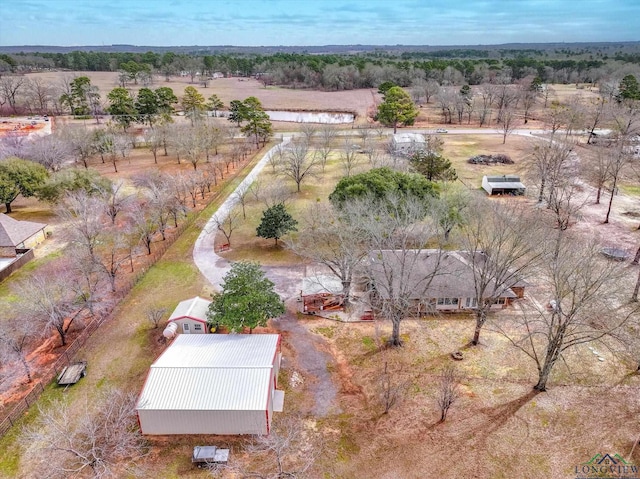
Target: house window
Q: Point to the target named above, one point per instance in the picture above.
(185, 327)
(500, 301)
(471, 302)
(447, 301)
(197, 327)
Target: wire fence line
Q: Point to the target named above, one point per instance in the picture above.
(52, 371)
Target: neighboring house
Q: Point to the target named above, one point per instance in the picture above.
(213, 384)
(451, 288)
(17, 235)
(190, 316)
(321, 293)
(503, 185)
(408, 142)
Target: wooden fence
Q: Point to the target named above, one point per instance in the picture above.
(67, 357)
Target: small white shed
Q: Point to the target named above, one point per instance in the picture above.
(408, 142)
(213, 384)
(503, 185)
(191, 316)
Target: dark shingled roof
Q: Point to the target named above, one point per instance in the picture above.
(14, 232)
(427, 273)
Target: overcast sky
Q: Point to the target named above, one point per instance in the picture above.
(315, 22)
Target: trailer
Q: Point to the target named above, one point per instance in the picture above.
(203, 455)
(72, 373)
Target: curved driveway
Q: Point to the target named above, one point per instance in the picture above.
(212, 266)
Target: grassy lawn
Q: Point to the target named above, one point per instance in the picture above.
(247, 246)
(459, 148)
(121, 353)
(498, 427)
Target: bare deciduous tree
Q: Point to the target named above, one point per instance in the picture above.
(14, 336)
(391, 388)
(597, 169)
(81, 143)
(297, 162)
(153, 141)
(566, 202)
(585, 307)
(113, 254)
(508, 122)
(143, 223)
(114, 200)
(10, 85)
(309, 131)
(97, 437)
(394, 233)
(618, 161)
(228, 224)
(329, 238)
(547, 164)
(448, 390)
(349, 158)
(81, 213)
(155, 315)
(290, 450)
(51, 151)
(327, 137)
(47, 299)
(500, 244)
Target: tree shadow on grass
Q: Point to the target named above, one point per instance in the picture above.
(498, 416)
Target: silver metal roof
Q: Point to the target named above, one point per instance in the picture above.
(212, 372)
(409, 138)
(198, 389)
(507, 185)
(195, 308)
(219, 351)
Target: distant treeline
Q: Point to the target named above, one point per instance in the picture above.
(341, 71)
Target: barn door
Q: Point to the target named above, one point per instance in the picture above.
(185, 328)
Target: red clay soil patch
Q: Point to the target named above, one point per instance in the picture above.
(20, 128)
(50, 350)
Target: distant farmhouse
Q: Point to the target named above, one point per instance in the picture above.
(503, 185)
(213, 384)
(449, 286)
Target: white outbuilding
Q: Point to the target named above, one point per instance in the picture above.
(408, 142)
(213, 384)
(503, 185)
(190, 316)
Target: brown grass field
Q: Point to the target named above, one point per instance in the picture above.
(228, 89)
(498, 429)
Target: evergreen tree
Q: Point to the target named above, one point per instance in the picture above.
(629, 89)
(433, 166)
(247, 299)
(276, 222)
(396, 108)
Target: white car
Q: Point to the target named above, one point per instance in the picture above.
(442, 130)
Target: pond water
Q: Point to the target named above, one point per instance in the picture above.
(310, 117)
